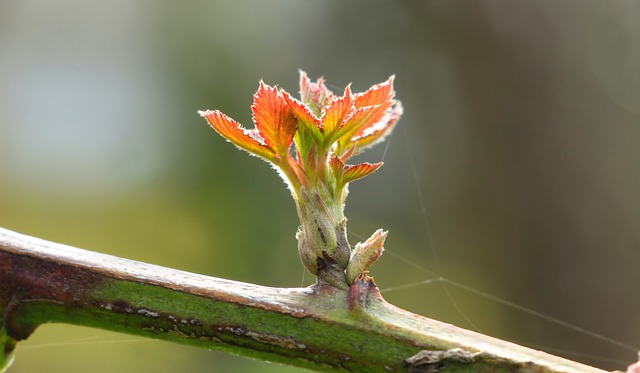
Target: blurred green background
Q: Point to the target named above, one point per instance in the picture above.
(515, 164)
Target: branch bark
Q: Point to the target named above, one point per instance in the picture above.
(320, 327)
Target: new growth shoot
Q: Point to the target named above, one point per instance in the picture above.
(309, 141)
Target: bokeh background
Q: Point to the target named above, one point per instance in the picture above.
(514, 169)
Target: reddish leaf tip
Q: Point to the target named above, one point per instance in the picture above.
(205, 113)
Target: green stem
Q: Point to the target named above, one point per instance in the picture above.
(320, 328)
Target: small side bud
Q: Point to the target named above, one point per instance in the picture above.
(365, 254)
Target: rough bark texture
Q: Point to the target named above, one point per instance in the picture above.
(320, 327)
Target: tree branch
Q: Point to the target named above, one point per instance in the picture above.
(320, 327)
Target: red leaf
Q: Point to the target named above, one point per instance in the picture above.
(356, 119)
(233, 131)
(375, 133)
(380, 95)
(337, 111)
(336, 166)
(347, 173)
(274, 119)
(315, 95)
(355, 172)
(305, 117)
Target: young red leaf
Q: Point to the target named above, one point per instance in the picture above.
(238, 135)
(336, 167)
(338, 110)
(305, 117)
(380, 95)
(382, 118)
(356, 119)
(315, 95)
(376, 133)
(358, 171)
(274, 119)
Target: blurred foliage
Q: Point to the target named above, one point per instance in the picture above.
(514, 169)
